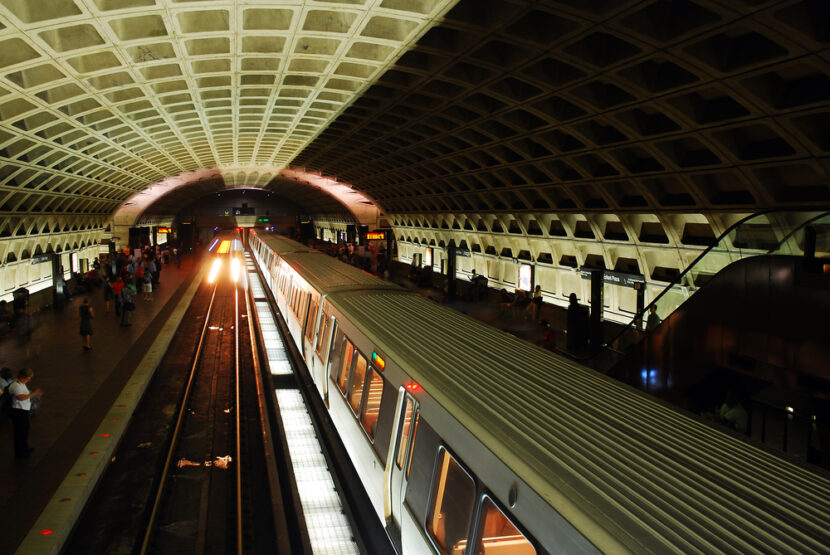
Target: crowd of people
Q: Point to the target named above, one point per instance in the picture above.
(120, 280)
(135, 271)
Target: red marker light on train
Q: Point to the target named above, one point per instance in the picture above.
(378, 361)
(412, 387)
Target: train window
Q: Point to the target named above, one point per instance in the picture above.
(309, 324)
(345, 366)
(322, 336)
(371, 405)
(451, 507)
(357, 383)
(497, 534)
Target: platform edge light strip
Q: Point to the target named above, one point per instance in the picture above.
(328, 529)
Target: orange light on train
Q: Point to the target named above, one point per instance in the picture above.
(224, 247)
(378, 361)
(413, 387)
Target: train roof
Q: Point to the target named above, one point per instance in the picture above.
(625, 469)
(326, 274)
(281, 244)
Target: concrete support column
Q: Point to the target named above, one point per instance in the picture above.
(641, 303)
(597, 291)
(451, 284)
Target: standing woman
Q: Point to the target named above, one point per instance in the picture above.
(108, 293)
(21, 405)
(86, 314)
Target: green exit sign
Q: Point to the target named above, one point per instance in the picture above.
(263, 220)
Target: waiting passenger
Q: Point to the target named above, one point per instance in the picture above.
(21, 405)
(548, 339)
(653, 320)
(86, 314)
(128, 293)
(535, 306)
(505, 300)
(577, 325)
(520, 303)
(733, 414)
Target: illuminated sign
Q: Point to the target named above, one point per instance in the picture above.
(378, 361)
(165, 230)
(263, 220)
(616, 278)
(224, 247)
(380, 235)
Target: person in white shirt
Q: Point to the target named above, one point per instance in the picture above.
(21, 405)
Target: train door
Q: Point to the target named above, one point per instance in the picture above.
(325, 348)
(398, 462)
(310, 329)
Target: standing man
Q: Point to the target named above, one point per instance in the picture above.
(653, 320)
(21, 405)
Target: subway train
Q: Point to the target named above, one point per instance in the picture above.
(227, 258)
(469, 440)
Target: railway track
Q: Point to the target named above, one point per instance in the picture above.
(195, 471)
(202, 461)
(207, 465)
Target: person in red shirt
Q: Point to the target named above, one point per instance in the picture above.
(117, 286)
(548, 339)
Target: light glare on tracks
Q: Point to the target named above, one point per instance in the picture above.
(235, 269)
(214, 270)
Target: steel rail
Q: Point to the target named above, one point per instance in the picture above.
(176, 431)
(238, 410)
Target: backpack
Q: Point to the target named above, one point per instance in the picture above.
(6, 400)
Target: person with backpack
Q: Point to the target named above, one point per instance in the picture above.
(21, 405)
(147, 286)
(127, 294)
(6, 380)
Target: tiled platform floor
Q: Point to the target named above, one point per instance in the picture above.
(79, 387)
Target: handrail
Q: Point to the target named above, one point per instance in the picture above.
(639, 316)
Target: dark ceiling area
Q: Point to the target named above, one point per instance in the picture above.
(576, 106)
(304, 197)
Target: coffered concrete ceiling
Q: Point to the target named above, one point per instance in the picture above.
(100, 99)
(467, 107)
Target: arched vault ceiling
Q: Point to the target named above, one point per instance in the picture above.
(613, 105)
(102, 98)
(316, 194)
(310, 199)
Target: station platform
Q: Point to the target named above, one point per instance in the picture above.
(79, 389)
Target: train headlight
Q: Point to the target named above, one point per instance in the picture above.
(235, 269)
(214, 270)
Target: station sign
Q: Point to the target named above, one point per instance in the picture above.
(165, 230)
(40, 259)
(617, 278)
(376, 235)
(463, 252)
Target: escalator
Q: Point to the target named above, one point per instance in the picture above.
(753, 320)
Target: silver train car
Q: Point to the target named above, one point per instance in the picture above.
(469, 440)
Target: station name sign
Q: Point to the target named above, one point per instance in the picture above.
(40, 259)
(616, 278)
(376, 235)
